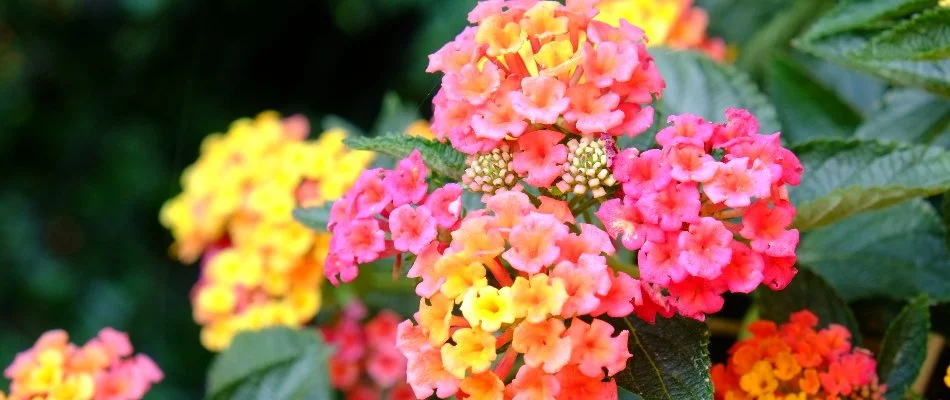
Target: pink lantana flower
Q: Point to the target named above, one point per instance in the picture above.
(595, 349)
(412, 229)
(671, 206)
(533, 242)
(687, 128)
(497, 119)
(618, 302)
(659, 261)
(636, 120)
(767, 228)
(540, 157)
(592, 111)
(695, 297)
(585, 282)
(609, 62)
(472, 84)
(690, 162)
(624, 221)
(407, 183)
(736, 183)
(744, 271)
(705, 248)
(445, 203)
(455, 54)
(541, 99)
(639, 173)
(362, 238)
(370, 194)
(424, 267)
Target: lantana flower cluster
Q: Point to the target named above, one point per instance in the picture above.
(102, 369)
(797, 361)
(708, 212)
(673, 23)
(366, 365)
(260, 267)
(530, 73)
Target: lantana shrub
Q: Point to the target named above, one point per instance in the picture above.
(517, 297)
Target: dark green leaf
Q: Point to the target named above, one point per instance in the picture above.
(861, 90)
(315, 218)
(807, 108)
(670, 359)
(737, 21)
(909, 116)
(777, 34)
(850, 15)
(624, 394)
(897, 252)
(904, 348)
(913, 52)
(807, 292)
(439, 157)
(274, 363)
(844, 177)
(697, 85)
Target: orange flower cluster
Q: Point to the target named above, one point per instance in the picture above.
(797, 362)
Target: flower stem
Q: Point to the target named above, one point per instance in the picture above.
(629, 269)
(499, 272)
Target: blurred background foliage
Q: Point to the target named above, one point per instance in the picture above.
(103, 102)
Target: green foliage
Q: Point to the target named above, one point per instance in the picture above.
(844, 177)
(909, 116)
(394, 116)
(315, 218)
(904, 348)
(624, 394)
(811, 292)
(275, 363)
(807, 108)
(898, 252)
(441, 158)
(871, 37)
(697, 85)
(670, 359)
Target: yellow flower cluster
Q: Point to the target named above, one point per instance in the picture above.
(260, 267)
(672, 23)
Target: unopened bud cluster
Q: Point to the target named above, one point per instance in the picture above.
(587, 168)
(490, 172)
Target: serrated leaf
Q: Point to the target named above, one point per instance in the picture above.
(913, 52)
(807, 292)
(315, 218)
(274, 363)
(909, 116)
(844, 177)
(858, 89)
(670, 359)
(807, 108)
(898, 252)
(904, 348)
(849, 15)
(439, 157)
(697, 85)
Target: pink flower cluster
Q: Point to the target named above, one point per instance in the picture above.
(102, 369)
(709, 211)
(529, 66)
(366, 364)
(388, 212)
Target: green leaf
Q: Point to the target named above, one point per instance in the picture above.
(850, 15)
(807, 108)
(335, 121)
(697, 85)
(315, 218)
(913, 52)
(844, 177)
(737, 21)
(904, 348)
(274, 363)
(898, 252)
(909, 116)
(807, 292)
(778, 33)
(670, 359)
(624, 394)
(439, 157)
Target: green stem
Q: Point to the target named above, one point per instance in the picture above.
(617, 265)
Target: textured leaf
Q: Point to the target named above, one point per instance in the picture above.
(315, 218)
(861, 90)
(670, 359)
(275, 363)
(737, 21)
(807, 108)
(624, 394)
(913, 52)
(439, 157)
(904, 348)
(844, 177)
(697, 85)
(778, 33)
(811, 292)
(897, 252)
(909, 116)
(849, 15)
